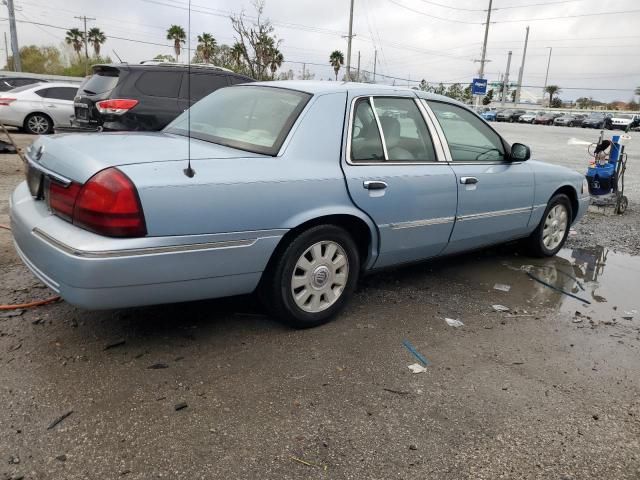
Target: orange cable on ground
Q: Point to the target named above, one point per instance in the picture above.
(37, 303)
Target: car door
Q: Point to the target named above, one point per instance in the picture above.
(57, 102)
(495, 195)
(157, 92)
(396, 173)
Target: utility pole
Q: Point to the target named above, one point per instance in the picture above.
(6, 49)
(546, 77)
(505, 82)
(350, 37)
(358, 71)
(84, 18)
(375, 60)
(483, 59)
(17, 64)
(521, 72)
(304, 68)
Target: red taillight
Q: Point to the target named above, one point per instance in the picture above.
(6, 101)
(107, 204)
(117, 106)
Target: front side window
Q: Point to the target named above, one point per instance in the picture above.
(469, 138)
(403, 128)
(256, 119)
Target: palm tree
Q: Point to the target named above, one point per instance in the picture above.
(75, 38)
(336, 59)
(237, 53)
(176, 33)
(96, 37)
(206, 46)
(552, 90)
(276, 61)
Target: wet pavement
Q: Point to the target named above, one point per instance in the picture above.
(546, 390)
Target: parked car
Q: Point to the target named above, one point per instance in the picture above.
(545, 118)
(37, 108)
(9, 83)
(145, 96)
(509, 115)
(568, 120)
(489, 115)
(597, 120)
(621, 121)
(527, 117)
(286, 192)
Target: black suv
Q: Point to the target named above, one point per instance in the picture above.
(509, 115)
(144, 96)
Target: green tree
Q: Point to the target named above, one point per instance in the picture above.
(75, 38)
(637, 91)
(552, 90)
(275, 61)
(488, 98)
(96, 37)
(238, 54)
(177, 34)
(440, 89)
(336, 60)
(76, 67)
(454, 91)
(556, 103)
(162, 57)
(206, 46)
(37, 59)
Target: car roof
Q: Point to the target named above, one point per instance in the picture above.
(321, 87)
(155, 66)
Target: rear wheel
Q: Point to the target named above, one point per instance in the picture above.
(38, 124)
(570, 124)
(550, 235)
(312, 278)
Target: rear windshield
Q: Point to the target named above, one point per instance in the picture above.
(101, 81)
(256, 119)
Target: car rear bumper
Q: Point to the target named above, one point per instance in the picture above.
(96, 272)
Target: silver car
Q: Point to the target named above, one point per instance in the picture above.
(293, 189)
(37, 108)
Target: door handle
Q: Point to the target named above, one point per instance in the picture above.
(374, 185)
(468, 180)
(51, 106)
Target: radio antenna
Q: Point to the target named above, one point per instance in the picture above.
(189, 172)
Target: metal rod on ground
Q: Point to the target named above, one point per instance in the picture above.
(17, 64)
(350, 37)
(521, 72)
(546, 77)
(505, 82)
(375, 60)
(483, 59)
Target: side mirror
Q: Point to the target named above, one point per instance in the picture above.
(520, 152)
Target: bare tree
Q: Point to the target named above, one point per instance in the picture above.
(257, 43)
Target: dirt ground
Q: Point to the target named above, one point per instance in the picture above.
(547, 390)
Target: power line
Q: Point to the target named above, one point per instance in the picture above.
(433, 16)
(580, 15)
(455, 8)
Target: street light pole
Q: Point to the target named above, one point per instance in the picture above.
(546, 77)
(350, 37)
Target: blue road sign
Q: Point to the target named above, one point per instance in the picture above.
(479, 86)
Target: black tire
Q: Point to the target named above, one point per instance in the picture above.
(570, 124)
(276, 286)
(38, 124)
(535, 242)
(511, 120)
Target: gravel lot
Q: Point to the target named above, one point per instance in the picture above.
(547, 390)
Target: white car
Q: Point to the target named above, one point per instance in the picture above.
(527, 117)
(621, 121)
(37, 108)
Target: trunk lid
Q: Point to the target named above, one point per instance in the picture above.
(78, 156)
(97, 87)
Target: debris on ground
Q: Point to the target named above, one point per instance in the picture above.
(553, 287)
(59, 419)
(500, 308)
(304, 462)
(416, 368)
(15, 347)
(629, 315)
(397, 392)
(454, 323)
(61, 458)
(502, 287)
(158, 366)
(180, 406)
(413, 447)
(6, 147)
(115, 344)
(415, 353)
(11, 313)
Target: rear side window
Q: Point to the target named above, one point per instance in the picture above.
(160, 84)
(101, 81)
(203, 84)
(58, 93)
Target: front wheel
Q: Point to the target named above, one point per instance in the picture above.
(552, 231)
(313, 278)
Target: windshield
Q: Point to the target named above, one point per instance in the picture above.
(256, 119)
(596, 115)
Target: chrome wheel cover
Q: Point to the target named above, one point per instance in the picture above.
(38, 124)
(320, 276)
(555, 226)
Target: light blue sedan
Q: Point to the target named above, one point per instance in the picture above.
(292, 189)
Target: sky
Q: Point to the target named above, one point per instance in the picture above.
(594, 54)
